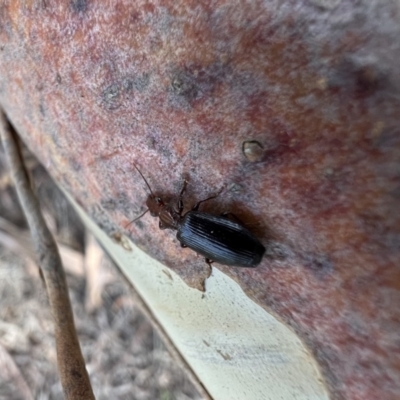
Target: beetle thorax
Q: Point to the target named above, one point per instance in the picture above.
(169, 218)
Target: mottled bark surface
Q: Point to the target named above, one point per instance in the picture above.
(293, 106)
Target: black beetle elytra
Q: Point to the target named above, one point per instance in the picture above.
(217, 238)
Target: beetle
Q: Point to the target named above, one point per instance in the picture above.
(217, 238)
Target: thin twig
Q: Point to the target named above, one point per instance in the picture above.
(12, 374)
(19, 241)
(71, 365)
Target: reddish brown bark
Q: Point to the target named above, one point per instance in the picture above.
(177, 88)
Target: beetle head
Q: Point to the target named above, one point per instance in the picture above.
(155, 205)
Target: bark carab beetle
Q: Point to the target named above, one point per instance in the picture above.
(217, 238)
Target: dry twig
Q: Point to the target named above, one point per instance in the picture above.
(73, 374)
(97, 276)
(19, 241)
(12, 374)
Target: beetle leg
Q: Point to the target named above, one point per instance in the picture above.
(196, 207)
(183, 245)
(180, 201)
(233, 216)
(161, 225)
(209, 262)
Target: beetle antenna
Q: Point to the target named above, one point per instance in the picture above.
(140, 216)
(138, 170)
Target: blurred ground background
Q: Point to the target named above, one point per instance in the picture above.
(125, 357)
